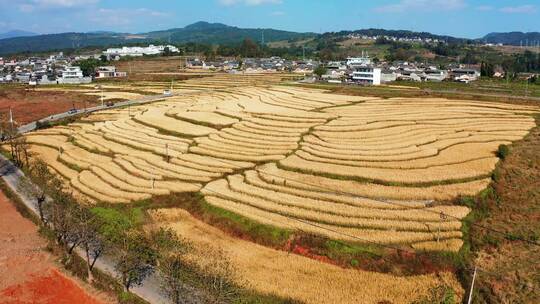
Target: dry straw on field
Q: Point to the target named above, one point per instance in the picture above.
(269, 271)
(362, 166)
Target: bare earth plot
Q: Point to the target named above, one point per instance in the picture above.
(352, 168)
(29, 274)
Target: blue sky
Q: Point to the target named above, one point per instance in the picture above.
(462, 18)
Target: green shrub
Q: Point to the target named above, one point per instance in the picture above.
(503, 151)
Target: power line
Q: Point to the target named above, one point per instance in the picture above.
(387, 246)
(334, 191)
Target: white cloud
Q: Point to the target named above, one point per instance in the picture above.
(522, 9)
(421, 5)
(28, 6)
(248, 2)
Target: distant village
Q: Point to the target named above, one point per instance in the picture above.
(61, 69)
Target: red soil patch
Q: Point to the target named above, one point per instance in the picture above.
(307, 253)
(28, 106)
(28, 273)
(50, 288)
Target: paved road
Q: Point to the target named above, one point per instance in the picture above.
(146, 99)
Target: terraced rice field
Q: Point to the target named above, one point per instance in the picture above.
(360, 169)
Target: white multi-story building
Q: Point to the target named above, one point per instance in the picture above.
(72, 72)
(465, 75)
(367, 75)
(109, 72)
(73, 75)
(137, 51)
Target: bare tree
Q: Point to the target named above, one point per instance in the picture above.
(136, 259)
(17, 142)
(63, 213)
(171, 263)
(174, 274)
(90, 239)
(219, 274)
(41, 184)
(19, 150)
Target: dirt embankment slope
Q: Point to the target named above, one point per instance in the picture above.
(28, 273)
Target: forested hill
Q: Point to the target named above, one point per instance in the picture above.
(201, 32)
(513, 38)
(398, 34)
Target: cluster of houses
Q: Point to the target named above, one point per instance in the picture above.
(254, 65)
(58, 69)
(361, 70)
(55, 69)
(355, 70)
(393, 38)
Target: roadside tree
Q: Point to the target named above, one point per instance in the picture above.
(136, 259)
(41, 184)
(172, 265)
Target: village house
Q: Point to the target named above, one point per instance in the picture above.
(108, 72)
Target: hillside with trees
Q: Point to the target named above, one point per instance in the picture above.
(513, 38)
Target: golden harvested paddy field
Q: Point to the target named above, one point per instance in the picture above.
(358, 169)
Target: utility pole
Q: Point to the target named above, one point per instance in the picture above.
(526, 86)
(442, 217)
(472, 285)
(11, 119)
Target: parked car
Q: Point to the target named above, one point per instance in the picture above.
(72, 111)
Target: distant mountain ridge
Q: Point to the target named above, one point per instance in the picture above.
(215, 33)
(201, 32)
(16, 33)
(513, 38)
